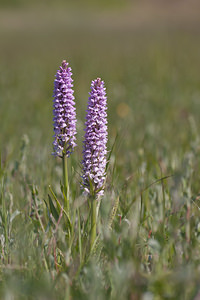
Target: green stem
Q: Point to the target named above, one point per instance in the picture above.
(164, 206)
(65, 183)
(5, 222)
(188, 222)
(93, 222)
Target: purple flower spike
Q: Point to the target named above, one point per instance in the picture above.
(64, 112)
(94, 145)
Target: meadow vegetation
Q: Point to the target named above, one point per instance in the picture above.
(149, 218)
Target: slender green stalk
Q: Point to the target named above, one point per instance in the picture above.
(79, 236)
(93, 221)
(164, 205)
(187, 229)
(163, 200)
(5, 221)
(65, 183)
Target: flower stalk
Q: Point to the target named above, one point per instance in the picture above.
(95, 151)
(64, 122)
(93, 232)
(65, 183)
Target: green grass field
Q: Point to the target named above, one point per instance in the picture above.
(149, 221)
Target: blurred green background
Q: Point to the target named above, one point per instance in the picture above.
(147, 52)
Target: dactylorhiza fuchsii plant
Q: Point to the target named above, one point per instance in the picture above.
(95, 149)
(64, 121)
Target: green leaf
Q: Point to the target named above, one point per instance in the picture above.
(55, 198)
(59, 208)
(53, 209)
